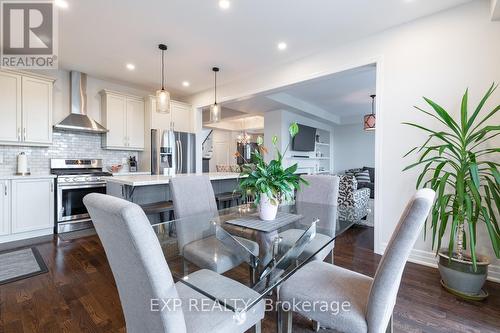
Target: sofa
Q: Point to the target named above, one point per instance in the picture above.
(352, 202)
(365, 183)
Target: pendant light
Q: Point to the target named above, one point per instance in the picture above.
(215, 109)
(369, 119)
(162, 96)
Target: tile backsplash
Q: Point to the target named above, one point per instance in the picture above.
(65, 145)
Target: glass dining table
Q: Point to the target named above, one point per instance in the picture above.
(258, 254)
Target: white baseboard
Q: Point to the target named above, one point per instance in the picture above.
(429, 259)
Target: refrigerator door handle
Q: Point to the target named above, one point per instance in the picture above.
(182, 157)
(179, 156)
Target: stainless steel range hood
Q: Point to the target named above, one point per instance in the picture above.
(78, 119)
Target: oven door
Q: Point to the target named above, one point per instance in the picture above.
(70, 207)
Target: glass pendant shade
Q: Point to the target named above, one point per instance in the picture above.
(369, 119)
(162, 101)
(215, 113)
(162, 96)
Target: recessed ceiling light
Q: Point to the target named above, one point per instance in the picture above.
(61, 3)
(224, 4)
(186, 83)
(130, 67)
(282, 46)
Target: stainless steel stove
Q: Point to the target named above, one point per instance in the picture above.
(75, 179)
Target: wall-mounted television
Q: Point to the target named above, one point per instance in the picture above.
(305, 140)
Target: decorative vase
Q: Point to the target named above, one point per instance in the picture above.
(267, 210)
(459, 275)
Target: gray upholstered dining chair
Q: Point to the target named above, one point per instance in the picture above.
(143, 277)
(322, 190)
(194, 196)
(371, 300)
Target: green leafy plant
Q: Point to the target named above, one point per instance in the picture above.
(277, 182)
(459, 166)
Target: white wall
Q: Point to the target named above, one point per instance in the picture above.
(437, 57)
(353, 147)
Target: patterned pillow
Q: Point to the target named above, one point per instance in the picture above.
(362, 176)
(223, 168)
(235, 168)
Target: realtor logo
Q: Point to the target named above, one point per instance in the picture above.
(28, 34)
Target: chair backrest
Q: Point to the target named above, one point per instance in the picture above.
(193, 196)
(138, 264)
(386, 282)
(321, 190)
(347, 186)
(318, 200)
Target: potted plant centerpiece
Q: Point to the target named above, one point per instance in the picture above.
(459, 164)
(270, 183)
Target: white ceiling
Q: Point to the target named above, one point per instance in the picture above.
(339, 98)
(101, 36)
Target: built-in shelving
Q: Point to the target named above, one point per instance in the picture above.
(318, 161)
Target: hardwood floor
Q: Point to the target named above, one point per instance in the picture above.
(79, 294)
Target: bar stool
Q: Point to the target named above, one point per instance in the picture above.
(226, 199)
(164, 208)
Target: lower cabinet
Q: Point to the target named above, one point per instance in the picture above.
(4, 208)
(31, 205)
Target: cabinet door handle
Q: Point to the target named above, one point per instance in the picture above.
(5, 189)
(24, 135)
(19, 134)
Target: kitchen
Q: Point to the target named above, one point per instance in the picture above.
(68, 132)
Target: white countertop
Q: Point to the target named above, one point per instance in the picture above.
(145, 180)
(35, 176)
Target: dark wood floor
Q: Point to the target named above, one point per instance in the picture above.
(78, 293)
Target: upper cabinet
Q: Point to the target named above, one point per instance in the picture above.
(181, 116)
(25, 109)
(179, 119)
(123, 116)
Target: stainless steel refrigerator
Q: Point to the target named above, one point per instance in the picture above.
(173, 152)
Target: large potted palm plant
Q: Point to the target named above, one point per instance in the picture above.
(458, 161)
(270, 183)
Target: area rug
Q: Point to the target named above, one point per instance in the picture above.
(20, 264)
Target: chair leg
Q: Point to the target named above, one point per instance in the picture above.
(253, 275)
(257, 328)
(389, 326)
(316, 325)
(185, 268)
(286, 320)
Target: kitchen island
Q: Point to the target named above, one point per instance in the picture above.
(145, 189)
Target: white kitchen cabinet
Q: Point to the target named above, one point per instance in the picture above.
(37, 111)
(32, 204)
(123, 116)
(135, 123)
(4, 208)
(25, 109)
(10, 107)
(181, 117)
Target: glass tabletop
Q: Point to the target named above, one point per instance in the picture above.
(237, 244)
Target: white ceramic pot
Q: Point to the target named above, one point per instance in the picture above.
(267, 210)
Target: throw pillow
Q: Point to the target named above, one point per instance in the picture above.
(362, 176)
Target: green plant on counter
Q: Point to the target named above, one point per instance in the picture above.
(459, 166)
(277, 182)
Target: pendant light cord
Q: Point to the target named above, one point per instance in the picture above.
(373, 104)
(162, 69)
(215, 81)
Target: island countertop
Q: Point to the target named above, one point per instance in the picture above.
(146, 180)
